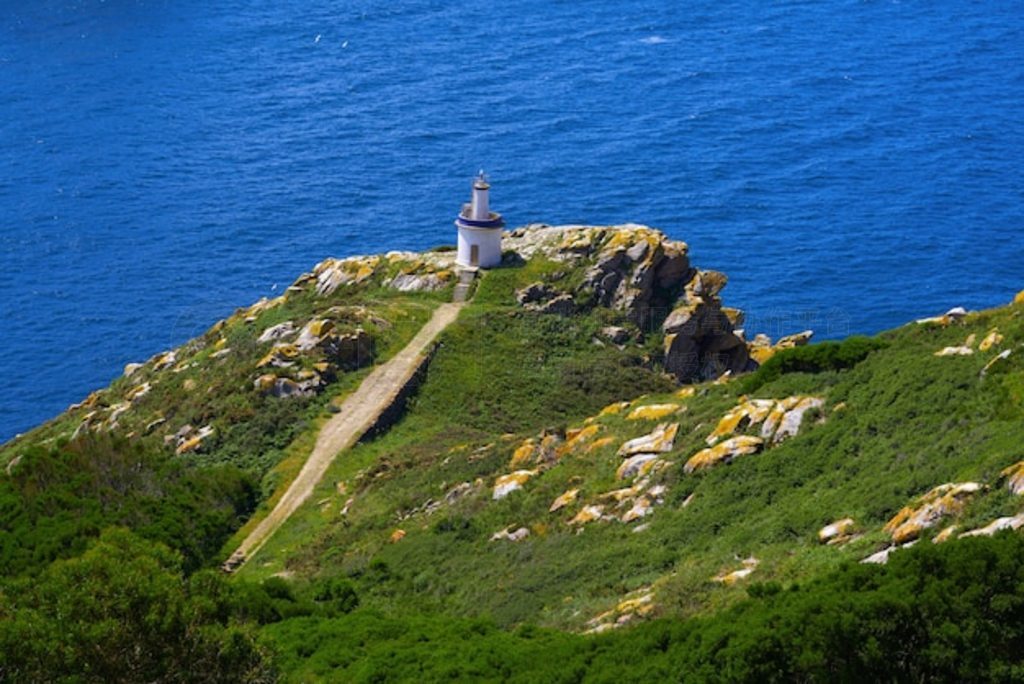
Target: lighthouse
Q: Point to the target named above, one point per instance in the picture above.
(479, 229)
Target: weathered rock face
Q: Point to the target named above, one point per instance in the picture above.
(637, 270)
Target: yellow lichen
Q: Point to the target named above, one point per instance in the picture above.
(724, 452)
(653, 412)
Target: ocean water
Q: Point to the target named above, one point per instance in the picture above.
(850, 164)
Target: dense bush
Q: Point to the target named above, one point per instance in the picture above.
(952, 612)
(57, 499)
(122, 612)
(815, 358)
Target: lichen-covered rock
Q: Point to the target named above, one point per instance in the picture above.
(952, 316)
(575, 439)
(642, 507)
(193, 441)
(928, 510)
(524, 453)
(396, 536)
(508, 534)
(730, 578)
(280, 356)
(635, 466)
(412, 282)
(961, 350)
(638, 271)
(746, 413)
(789, 425)
(658, 441)
(723, 452)
(506, 484)
(1013, 522)
(993, 339)
(138, 392)
(837, 532)
(277, 332)
(614, 409)
(761, 348)
(653, 412)
(566, 499)
(588, 514)
(882, 557)
(1014, 478)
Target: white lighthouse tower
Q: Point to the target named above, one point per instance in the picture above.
(479, 229)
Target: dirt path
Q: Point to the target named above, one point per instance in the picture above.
(357, 414)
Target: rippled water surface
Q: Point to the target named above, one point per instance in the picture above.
(850, 165)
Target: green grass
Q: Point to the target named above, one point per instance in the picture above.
(909, 421)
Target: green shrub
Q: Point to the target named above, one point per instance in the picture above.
(814, 358)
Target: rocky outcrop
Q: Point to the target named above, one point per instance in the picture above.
(723, 452)
(700, 342)
(931, 508)
(639, 272)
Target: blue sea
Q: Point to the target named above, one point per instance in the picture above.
(850, 164)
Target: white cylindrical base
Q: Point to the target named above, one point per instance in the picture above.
(480, 247)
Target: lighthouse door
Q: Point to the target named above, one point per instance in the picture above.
(474, 255)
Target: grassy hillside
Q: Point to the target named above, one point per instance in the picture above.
(555, 505)
(895, 421)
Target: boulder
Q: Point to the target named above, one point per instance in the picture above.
(928, 510)
(641, 508)
(635, 466)
(730, 578)
(194, 442)
(564, 500)
(280, 356)
(658, 441)
(562, 305)
(509, 534)
(130, 369)
(1014, 478)
(277, 332)
(746, 413)
(313, 334)
(723, 452)
(837, 532)
(615, 334)
(790, 423)
(955, 351)
(653, 412)
(506, 484)
(1014, 522)
(992, 339)
(587, 514)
